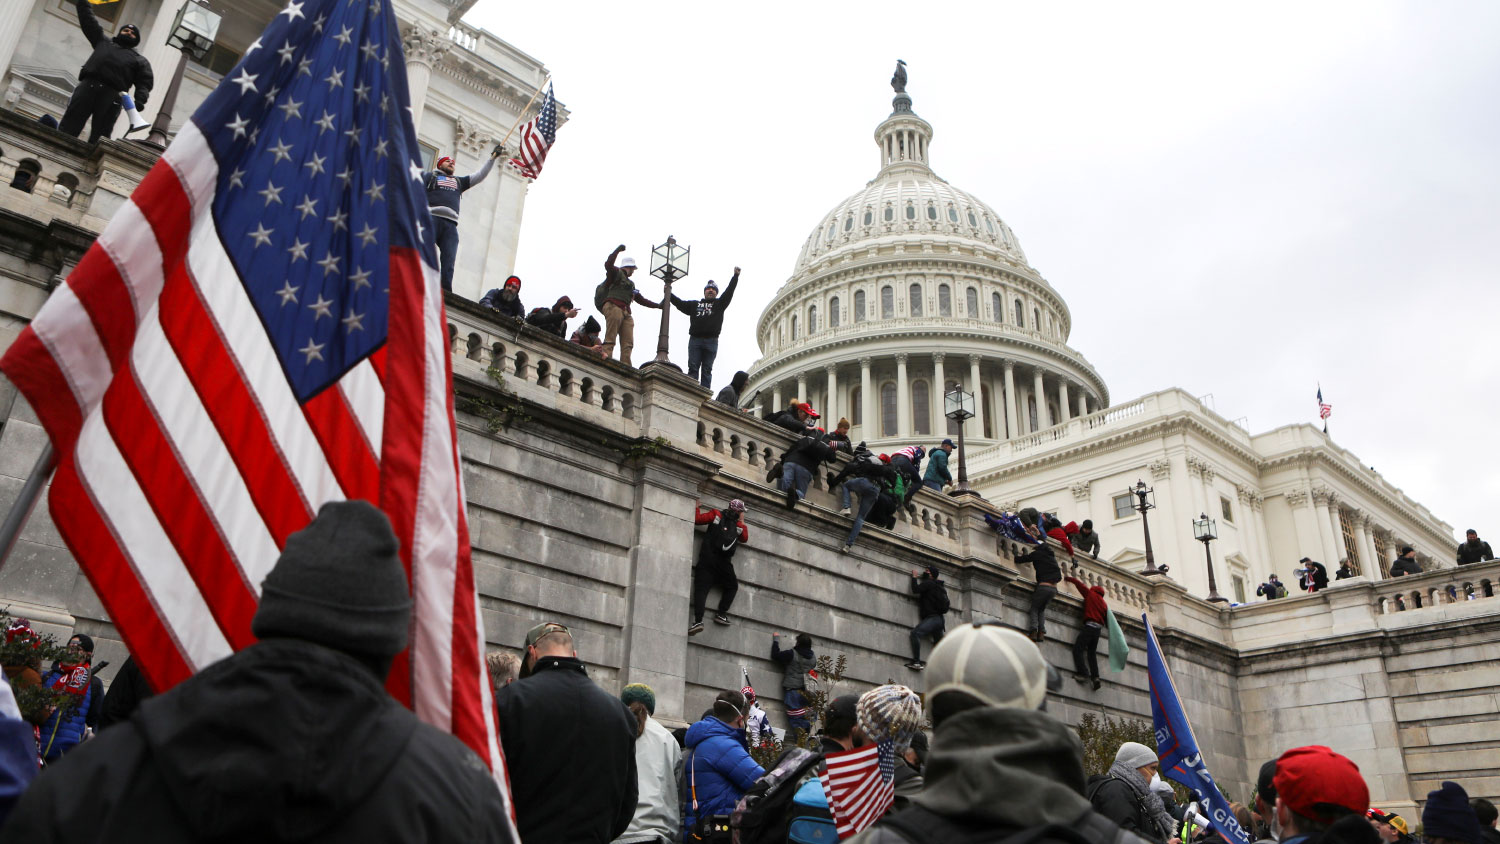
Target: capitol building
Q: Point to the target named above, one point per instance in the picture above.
(911, 288)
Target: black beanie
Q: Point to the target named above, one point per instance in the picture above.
(84, 641)
(340, 583)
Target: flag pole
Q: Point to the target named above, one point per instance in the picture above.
(20, 511)
(526, 108)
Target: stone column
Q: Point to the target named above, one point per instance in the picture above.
(1362, 544)
(1376, 566)
(1320, 499)
(1062, 399)
(979, 408)
(802, 386)
(830, 400)
(425, 49)
(1039, 391)
(903, 398)
(153, 46)
(869, 425)
(1008, 401)
(776, 404)
(17, 11)
(1340, 548)
(1083, 404)
(941, 380)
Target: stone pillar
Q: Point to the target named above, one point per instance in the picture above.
(1062, 399)
(1362, 546)
(979, 408)
(425, 49)
(776, 404)
(1320, 499)
(17, 11)
(941, 380)
(1083, 404)
(903, 398)
(1376, 566)
(830, 399)
(153, 46)
(1340, 548)
(1039, 391)
(869, 424)
(802, 386)
(1008, 401)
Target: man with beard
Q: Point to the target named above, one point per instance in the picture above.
(506, 300)
(444, 191)
(112, 69)
(1474, 549)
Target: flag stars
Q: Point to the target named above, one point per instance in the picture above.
(362, 92)
(335, 79)
(298, 249)
(416, 171)
(237, 178)
(261, 235)
(360, 278)
(271, 94)
(292, 11)
(345, 176)
(314, 351)
(375, 191)
(330, 263)
(246, 81)
(370, 50)
(317, 25)
(271, 194)
(321, 308)
(304, 66)
(291, 108)
(340, 220)
(282, 151)
(309, 206)
(287, 52)
(367, 235)
(381, 149)
(352, 133)
(237, 125)
(325, 123)
(354, 322)
(288, 294)
(385, 103)
(344, 36)
(315, 164)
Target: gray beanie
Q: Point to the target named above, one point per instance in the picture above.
(340, 583)
(1136, 755)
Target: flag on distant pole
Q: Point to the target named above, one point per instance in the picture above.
(860, 785)
(1177, 748)
(537, 137)
(259, 330)
(1325, 409)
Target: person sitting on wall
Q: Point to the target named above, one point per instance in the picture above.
(587, 336)
(506, 299)
(1087, 540)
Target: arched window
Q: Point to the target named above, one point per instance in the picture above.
(1036, 318)
(1020, 315)
(887, 302)
(945, 301)
(997, 310)
(952, 214)
(890, 213)
(914, 300)
(989, 225)
(794, 328)
(869, 216)
(911, 211)
(931, 211)
(888, 409)
(973, 223)
(812, 318)
(952, 426)
(971, 300)
(26, 175)
(832, 230)
(859, 306)
(849, 222)
(856, 407)
(921, 408)
(833, 312)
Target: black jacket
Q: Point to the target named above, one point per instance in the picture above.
(113, 64)
(810, 452)
(1044, 562)
(1316, 577)
(706, 316)
(1115, 799)
(126, 692)
(1087, 544)
(1478, 552)
(571, 752)
(788, 420)
(495, 300)
(284, 741)
(929, 596)
(551, 321)
(1405, 565)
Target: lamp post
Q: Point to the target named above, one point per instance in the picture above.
(959, 406)
(1143, 492)
(1203, 531)
(669, 262)
(193, 32)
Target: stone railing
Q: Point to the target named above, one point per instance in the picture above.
(1434, 589)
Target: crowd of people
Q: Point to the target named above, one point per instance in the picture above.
(1312, 576)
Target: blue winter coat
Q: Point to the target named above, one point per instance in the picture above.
(719, 767)
(60, 737)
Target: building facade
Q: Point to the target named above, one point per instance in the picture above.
(912, 288)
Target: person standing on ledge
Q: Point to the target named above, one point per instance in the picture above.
(705, 322)
(443, 193)
(1474, 549)
(112, 69)
(613, 298)
(937, 475)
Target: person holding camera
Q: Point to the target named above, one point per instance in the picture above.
(443, 193)
(1271, 589)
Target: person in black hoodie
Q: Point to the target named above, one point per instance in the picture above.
(733, 394)
(1406, 563)
(932, 605)
(554, 321)
(293, 738)
(113, 68)
(126, 692)
(570, 746)
(705, 322)
(726, 530)
(801, 463)
(1048, 575)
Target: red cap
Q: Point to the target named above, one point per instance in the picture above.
(1307, 776)
(808, 409)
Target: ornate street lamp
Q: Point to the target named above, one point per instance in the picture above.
(669, 262)
(193, 32)
(959, 406)
(1203, 531)
(1144, 493)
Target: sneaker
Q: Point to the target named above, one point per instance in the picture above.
(720, 618)
(1097, 685)
(774, 473)
(916, 665)
(846, 549)
(696, 628)
(846, 512)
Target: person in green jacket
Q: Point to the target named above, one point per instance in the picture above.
(937, 475)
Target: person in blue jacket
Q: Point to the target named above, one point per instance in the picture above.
(718, 770)
(64, 727)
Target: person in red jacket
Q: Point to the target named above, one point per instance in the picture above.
(715, 566)
(1086, 646)
(1056, 530)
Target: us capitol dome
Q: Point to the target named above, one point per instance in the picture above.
(912, 287)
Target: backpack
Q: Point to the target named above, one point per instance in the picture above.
(943, 605)
(764, 814)
(920, 825)
(600, 294)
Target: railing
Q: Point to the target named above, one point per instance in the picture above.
(464, 36)
(1435, 589)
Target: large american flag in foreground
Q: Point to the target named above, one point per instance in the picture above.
(537, 136)
(258, 331)
(861, 786)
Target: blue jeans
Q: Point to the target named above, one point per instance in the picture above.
(701, 354)
(930, 627)
(446, 234)
(868, 494)
(796, 710)
(795, 476)
(935, 486)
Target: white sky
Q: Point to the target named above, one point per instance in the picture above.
(1240, 199)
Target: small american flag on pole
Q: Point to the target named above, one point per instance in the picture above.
(537, 137)
(1325, 409)
(258, 331)
(861, 786)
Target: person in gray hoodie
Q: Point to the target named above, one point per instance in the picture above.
(658, 768)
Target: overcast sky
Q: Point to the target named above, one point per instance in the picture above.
(1240, 200)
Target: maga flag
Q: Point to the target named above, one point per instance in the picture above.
(1178, 749)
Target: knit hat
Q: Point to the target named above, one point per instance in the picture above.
(1448, 814)
(1136, 755)
(843, 422)
(996, 665)
(514, 278)
(932, 569)
(736, 505)
(711, 285)
(340, 583)
(889, 713)
(591, 326)
(85, 642)
(1307, 777)
(639, 693)
(441, 160)
(564, 302)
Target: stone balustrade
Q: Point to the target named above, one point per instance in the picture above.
(1433, 590)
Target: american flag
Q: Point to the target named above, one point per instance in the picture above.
(861, 785)
(537, 136)
(259, 330)
(1325, 409)
(747, 690)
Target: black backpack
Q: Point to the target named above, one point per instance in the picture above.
(765, 812)
(921, 825)
(943, 605)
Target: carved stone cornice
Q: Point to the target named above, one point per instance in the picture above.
(975, 359)
(1080, 490)
(1160, 469)
(864, 361)
(471, 137)
(937, 357)
(901, 358)
(425, 46)
(1296, 498)
(1322, 497)
(1243, 493)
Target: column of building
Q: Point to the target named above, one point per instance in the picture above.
(1039, 393)
(940, 387)
(830, 398)
(977, 388)
(1008, 401)
(425, 49)
(1362, 547)
(1062, 400)
(867, 401)
(1340, 547)
(1320, 498)
(903, 397)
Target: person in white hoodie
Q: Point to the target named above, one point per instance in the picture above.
(658, 767)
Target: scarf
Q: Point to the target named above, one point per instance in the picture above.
(72, 678)
(1150, 799)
